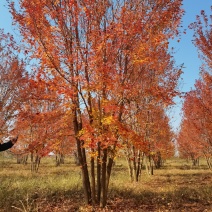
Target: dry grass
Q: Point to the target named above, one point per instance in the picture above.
(175, 187)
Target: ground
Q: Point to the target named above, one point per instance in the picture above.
(175, 187)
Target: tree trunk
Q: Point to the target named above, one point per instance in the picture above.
(158, 160)
(109, 169)
(138, 166)
(93, 189)
(134, 163)
(98, 174)
(147, 165)
(85, 176)
(22, 159)
(59, 159)
(151, 163)
(76, 159)
(129, 162)
(209, 162)
(103, 180)
(35, 162)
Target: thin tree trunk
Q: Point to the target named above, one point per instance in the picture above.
(109, 169)
(209, 163)
(103, 180)
(98, 174)
(86, 177)
(147, 166)
(134, 163)
(93, 190)
(83, 162)
(138, 166)
(130, 168)
(151, 165)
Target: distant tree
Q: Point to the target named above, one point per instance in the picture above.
(42, 122)
(196, 127)
(203, 39)
(11, 81)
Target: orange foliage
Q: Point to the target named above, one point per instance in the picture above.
(196, 128)
(105, 58)
(11, 79)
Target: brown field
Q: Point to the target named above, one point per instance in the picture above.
(175, 187)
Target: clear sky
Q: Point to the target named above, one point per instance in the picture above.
(185, 51)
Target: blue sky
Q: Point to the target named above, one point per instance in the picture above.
(185, 51)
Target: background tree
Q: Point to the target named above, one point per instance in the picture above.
(42, 122)
(11, 79)
(195, 135)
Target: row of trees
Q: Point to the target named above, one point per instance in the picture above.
(195, 137)
(109, 62)
(101, 81)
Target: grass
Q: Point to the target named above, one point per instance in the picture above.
(175, 187)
